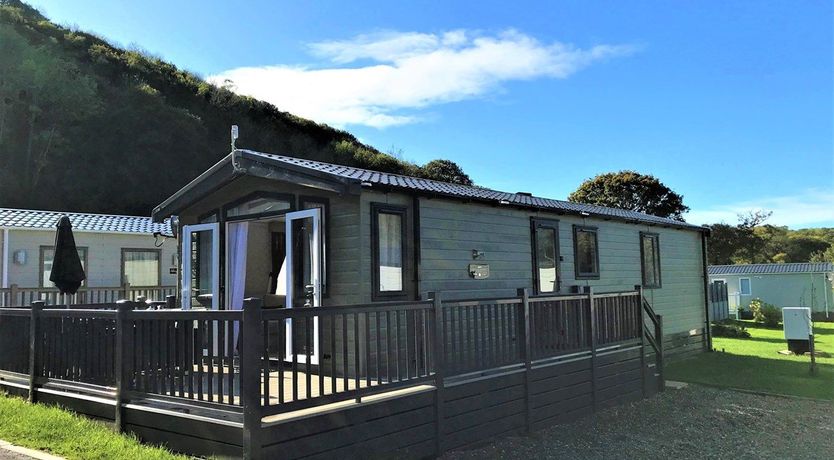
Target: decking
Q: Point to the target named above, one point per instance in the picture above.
(415, 378)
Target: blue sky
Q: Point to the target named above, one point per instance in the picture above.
(729, 103)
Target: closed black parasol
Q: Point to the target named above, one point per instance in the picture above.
(67, 272)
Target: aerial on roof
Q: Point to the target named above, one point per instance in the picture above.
(35, 219)
(771, 269)
(248, 162)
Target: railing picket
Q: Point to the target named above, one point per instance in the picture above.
(367, 350)
(230, 355)
(333, 355)
(219, 357)
(356, 365)
(308, 357)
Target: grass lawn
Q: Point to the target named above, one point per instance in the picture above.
(65, 434)
(755, 364)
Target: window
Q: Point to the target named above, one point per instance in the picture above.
(650, 254)
(744, 286)
(546, 255)
(320, 203)
(586, 255)
(140, 267)
(209, 217)
(48, 254)
(388, 243)
(258, 204)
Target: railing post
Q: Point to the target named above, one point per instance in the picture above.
(124, 342)
(126, 291)
(34, 348)
(658, 334)
(593, 326)
(439, 352)
(251, 336)
(528, 356)
(13, 295)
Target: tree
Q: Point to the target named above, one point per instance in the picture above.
(446, 171)
(44, 98)
(633, 191)
(823, 256)
(730, 244)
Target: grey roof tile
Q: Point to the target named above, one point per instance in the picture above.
(771, 269)
(468, 192)
(28, 218)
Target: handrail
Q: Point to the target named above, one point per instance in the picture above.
(654, 338)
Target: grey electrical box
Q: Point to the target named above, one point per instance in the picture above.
(479, 271)
(799, 329)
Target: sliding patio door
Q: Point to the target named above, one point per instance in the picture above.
(303, 248)
(200, 266)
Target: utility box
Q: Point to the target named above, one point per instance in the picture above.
(798, 329)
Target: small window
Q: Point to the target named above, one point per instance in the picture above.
(650, 253)
(48, 254)
(140, 267)
(210, 217)
(744, 286)
(546, 255)
(320, 203)
(258, 204)
(586, 254)
(389, 250)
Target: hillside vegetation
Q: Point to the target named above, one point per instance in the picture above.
(88, 126)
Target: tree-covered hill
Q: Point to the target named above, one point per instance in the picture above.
(88, 126)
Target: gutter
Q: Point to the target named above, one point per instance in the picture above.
(707, 332)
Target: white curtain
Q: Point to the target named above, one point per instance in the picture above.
(237, 241)
(142, 268)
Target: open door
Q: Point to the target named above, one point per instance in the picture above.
(303, 249)
(200, 266)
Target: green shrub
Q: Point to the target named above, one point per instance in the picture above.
(822, 317)
(765, 313)
(730, 328)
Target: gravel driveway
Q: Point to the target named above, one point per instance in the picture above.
(691, 423)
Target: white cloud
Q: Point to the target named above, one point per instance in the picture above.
(394, 75)
(811, 207)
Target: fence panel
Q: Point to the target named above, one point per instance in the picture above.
(78, 346)
(318, 355)
(14, 339)
(482, 334)
(618, 317)
(15, 296)
(559, 325)
(185, 354)
(719, 301)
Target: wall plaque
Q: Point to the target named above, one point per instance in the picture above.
(479, 271)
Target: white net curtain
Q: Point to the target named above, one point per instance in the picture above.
(141, 268)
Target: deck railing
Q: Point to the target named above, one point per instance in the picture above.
(15, 296)
(362, 350)
(242, 360)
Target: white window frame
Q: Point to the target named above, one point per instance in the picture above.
(749, 283)
(185, 257)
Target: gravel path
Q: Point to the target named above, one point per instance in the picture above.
(691, 423)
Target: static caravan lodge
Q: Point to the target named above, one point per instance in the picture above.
(784, 285)
(123, 257)
(296, 232)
